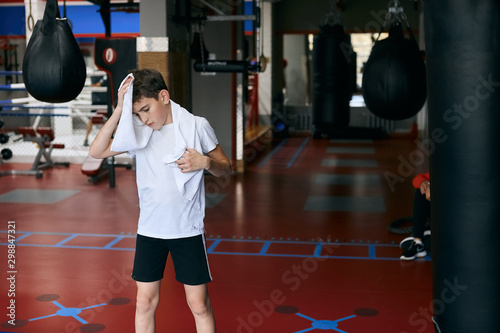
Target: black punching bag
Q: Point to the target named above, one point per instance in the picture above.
(332, 81)
(54, 70)
(394, 78)
(462, 40)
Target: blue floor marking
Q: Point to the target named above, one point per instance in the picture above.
(214, 244)
(304, 316)
(297, 153)
(316, 254)
(371, 252)
(324, 324)
(113, 242)
(266, 244)
(23, 236)
(68, 312)
(265, 247)
(76, 247)
(61, 243)
(48, 316)
(274, 151)
(317, 250)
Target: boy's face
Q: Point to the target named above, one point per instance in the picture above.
(153, 113)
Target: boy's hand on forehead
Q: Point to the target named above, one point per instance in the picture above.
(191, 161)
(123, 90)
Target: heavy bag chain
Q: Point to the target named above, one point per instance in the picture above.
(65, 16)
(333, 17)
(31, 20)
(395, 12)
(201, 46)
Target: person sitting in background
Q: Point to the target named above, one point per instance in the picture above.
(413, 247)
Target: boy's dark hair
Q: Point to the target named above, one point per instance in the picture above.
(147, 83)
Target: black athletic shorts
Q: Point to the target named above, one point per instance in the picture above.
(189, 256)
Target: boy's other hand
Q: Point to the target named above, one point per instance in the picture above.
(192, 160)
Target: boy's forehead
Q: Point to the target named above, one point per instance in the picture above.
(140, 103)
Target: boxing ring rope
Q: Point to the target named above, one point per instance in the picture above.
(21, 87)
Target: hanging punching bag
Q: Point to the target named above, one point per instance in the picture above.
(394, 77)
(54, 70)
(462, 39)
(198, 50)
(332, 81)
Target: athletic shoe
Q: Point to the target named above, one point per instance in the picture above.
(416, 250)
(405, 243)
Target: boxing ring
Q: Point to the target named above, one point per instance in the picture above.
(68, 121)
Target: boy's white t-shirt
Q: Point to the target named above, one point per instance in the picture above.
(164, 212)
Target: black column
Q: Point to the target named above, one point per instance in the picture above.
(462, 40)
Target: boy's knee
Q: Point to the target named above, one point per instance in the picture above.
(199, 307)
(146, 304)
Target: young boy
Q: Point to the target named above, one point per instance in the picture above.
(415, 246)
(168, 222)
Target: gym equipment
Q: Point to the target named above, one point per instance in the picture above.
(22, 87)
(394, 77)
(200, 53)
(28, 107)
(226, 66)
(115, 56)
(97, 169)
(36, 173)
(462, 41)
(331, 79)
(402, 225)
(13, 86)
(53, 66)
(6, 154)
(43, 137)
(198, 50)
(334, 81)
(7, 73)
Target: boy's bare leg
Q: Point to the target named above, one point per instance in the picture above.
(199, 302)
(148, 297)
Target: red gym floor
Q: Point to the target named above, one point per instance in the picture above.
(299, 243)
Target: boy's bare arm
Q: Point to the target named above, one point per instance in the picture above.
(218, 163)
(101, 145)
